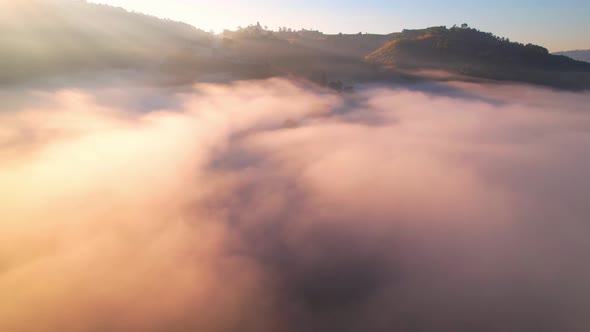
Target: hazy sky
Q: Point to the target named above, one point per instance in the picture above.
(558, 25)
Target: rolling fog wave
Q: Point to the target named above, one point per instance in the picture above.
(280, 206)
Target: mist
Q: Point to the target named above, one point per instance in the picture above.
(279, 205)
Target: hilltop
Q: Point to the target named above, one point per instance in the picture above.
(471, 52)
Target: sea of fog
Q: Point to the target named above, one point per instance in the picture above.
(278, 205)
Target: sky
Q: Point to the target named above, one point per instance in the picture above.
(557, 25)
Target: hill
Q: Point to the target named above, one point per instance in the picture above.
(46, 37)
(471, 52)
(580, 55)
(307, 53)
(41, 38)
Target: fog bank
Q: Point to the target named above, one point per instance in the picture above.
(277, 205)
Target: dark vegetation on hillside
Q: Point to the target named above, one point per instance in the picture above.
(49, 37)
(52, 37)
(475, 53)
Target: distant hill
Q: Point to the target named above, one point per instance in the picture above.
(580, 55)
(471, 52)
(344, 45)
(307, 53)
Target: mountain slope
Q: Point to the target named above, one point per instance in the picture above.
(439, 46)
(306, 53)
(474, 53)
(343, 45)
(44, 37)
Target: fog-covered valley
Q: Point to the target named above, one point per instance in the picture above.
(280, 205)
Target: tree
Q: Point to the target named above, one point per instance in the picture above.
(464, 26)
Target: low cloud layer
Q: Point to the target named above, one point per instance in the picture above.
(278, 206)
